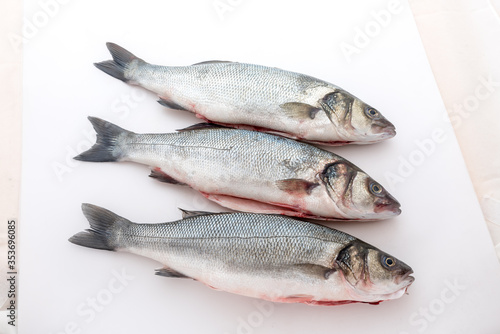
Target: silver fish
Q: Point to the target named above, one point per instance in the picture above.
(256, 97)
(250, 171)
(271, 257)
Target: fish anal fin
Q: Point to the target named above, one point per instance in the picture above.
(201, 126)
(296, 186)
(213, 62)
(299, 110)
(170, 104)
(169, 272)
(158, 174)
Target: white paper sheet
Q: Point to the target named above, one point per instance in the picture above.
(70, 289)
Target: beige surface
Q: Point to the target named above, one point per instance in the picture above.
(10, 136)
(461, 41)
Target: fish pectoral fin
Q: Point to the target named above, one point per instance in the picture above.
(213, 62)
(169, 272)
(189, 214)
(158, 174)
(316, 270)
(170, 104)
(299, 110)
(296, 186)
(201, 126)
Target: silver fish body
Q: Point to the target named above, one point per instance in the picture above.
(250, 171)
(256, 97)
(263, 256)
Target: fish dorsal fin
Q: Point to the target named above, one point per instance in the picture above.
(213, 62)
(296, 186)
(202, 126)
(189, 214)
(299, 110)
(169, 272)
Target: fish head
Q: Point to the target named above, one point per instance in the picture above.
(356, 120)
(356, 194)
(372, 274)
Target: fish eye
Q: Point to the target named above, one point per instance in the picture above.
(389, 261)
(376, 188)
(371, 112)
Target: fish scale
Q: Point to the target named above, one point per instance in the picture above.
(226, 80)
(256, 97)
(265, 256)
(252, 240)
(198, 146)
(249, 171)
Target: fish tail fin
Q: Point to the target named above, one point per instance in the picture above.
(110, 142)
(105, 227)
(123, 64)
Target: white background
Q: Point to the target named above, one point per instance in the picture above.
(437, 233)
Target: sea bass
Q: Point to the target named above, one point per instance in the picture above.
(256, 97)
(271, 257)
(250, 171)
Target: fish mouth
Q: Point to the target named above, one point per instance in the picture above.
(406, 280)
(384, 129)
(405, 283)
(393, 207)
